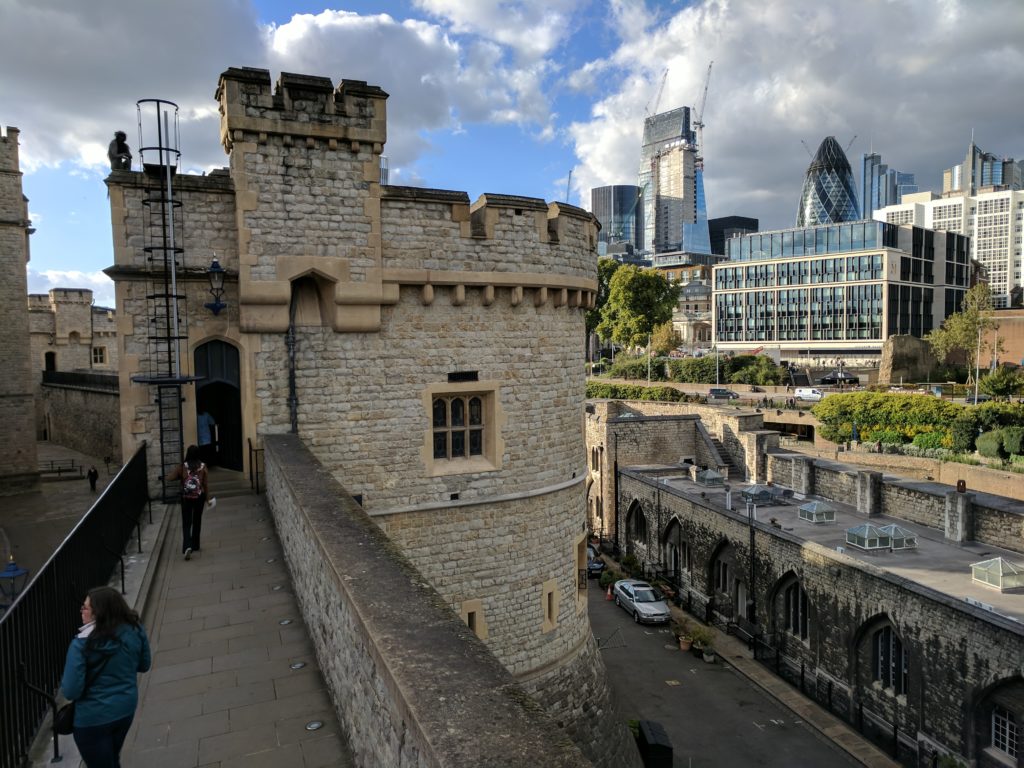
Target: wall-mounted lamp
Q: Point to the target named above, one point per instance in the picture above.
(216, 276)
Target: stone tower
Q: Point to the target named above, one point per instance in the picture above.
(427, 350)
(19, 468)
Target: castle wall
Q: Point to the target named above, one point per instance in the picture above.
(390, 664)
(959, 656)
(402, 302)
(84, 417)
(19, 470)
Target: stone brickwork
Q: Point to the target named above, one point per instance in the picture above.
(19, 470)
(358, 311)
(989, 519)
(961, 660)
(411, 684)
(84, 418)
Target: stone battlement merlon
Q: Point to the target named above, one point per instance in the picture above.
(9, 149)
(300, 106)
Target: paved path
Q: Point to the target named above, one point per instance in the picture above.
(222, 692)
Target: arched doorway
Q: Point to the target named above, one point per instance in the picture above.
(218, 391)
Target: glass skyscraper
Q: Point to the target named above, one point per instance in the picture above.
(620, 210)
(829, 195)
(880, 185)
(671, 181)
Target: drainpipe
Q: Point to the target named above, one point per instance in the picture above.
(615, 487)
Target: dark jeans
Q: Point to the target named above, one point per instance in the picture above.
(100, 745)
(191, 522)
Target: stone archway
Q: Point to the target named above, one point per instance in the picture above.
(218, 391)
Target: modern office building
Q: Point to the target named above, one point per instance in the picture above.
(829, 195)
(881, 185)
(671, 180)
(982, 198)
(837, 290)
(981, 172)
(727, 227)
(619, 211)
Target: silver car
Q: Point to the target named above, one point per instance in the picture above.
(646, 604)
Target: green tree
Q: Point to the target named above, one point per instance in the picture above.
(966, 331)
(664, 339)
(605, 269)
(761, 370)
(638, 301)
(1002, 382)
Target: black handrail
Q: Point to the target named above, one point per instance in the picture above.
(255, 457)
(36, 629)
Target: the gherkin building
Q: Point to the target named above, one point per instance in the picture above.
(830, 193)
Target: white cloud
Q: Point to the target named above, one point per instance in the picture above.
(910, 78)
(102, 287)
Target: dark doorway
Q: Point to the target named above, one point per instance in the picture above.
(50, 361)
(218, 392)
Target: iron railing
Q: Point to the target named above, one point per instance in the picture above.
(255, 460)
(36, 629)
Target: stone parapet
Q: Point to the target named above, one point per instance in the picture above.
(411, 684)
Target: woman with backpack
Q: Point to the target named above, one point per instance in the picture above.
(100, 672)
(194, 492)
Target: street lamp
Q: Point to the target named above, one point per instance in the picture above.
(215, 274)
(12, 582)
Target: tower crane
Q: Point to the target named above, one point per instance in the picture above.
(698, 121)
(648, 110)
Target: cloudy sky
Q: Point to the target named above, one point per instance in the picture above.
(511, 95)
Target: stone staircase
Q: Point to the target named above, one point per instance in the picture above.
(225, 483)
(736, 473)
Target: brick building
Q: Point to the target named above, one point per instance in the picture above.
(425, 349)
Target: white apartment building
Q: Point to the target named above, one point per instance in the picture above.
(994, 221)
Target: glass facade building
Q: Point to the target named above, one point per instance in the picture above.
(881, 185)
(671, 181)
(837, 289)
(829, 195)
(619, 210)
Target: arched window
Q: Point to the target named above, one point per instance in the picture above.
(638, 524)
(796, 615)
(890, 665)
(1004, 731)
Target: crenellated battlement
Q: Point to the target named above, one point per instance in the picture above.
(9, 149)
(303, 107)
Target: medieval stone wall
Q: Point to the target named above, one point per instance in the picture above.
(960, 658)
(18, 462)
(84, 418)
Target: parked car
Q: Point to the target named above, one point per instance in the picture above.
(595, 565)
(809, 394)
(726, 394)
(642, 601)
(977, 400)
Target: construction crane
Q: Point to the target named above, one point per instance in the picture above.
(851, 143)
(648, 109)
(698, 119)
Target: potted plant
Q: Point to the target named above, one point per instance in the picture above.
(702, 642)
(681, 631)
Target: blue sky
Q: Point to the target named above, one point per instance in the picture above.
(510, 95)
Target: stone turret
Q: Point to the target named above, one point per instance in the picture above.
(19, 470)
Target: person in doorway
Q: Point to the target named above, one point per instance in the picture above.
(206, 429)
(93, 475)
(111, 648)
(194, 492)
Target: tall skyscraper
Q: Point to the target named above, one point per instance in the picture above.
(727, 227)
(619, 210)
(675, 216)
(829, 195)
(881, 185)
(981, 172)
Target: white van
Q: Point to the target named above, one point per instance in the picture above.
(809, 393)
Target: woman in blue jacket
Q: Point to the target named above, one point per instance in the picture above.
(100, 676)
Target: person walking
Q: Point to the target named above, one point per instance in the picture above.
(111, 648)
(93, 474)
(194, 492)
(206, 435)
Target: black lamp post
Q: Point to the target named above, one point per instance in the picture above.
(216, 276)
(12, 582)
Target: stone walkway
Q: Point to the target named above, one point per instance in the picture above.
(226, 633)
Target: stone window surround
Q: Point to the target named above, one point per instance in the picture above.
(1003, 721)
(494, 419)
(475, 607)
(99, 355)
(549, 605)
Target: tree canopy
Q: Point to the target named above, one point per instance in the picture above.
(638, 301)
(664, 339)
(605, 269)
(965, 331)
